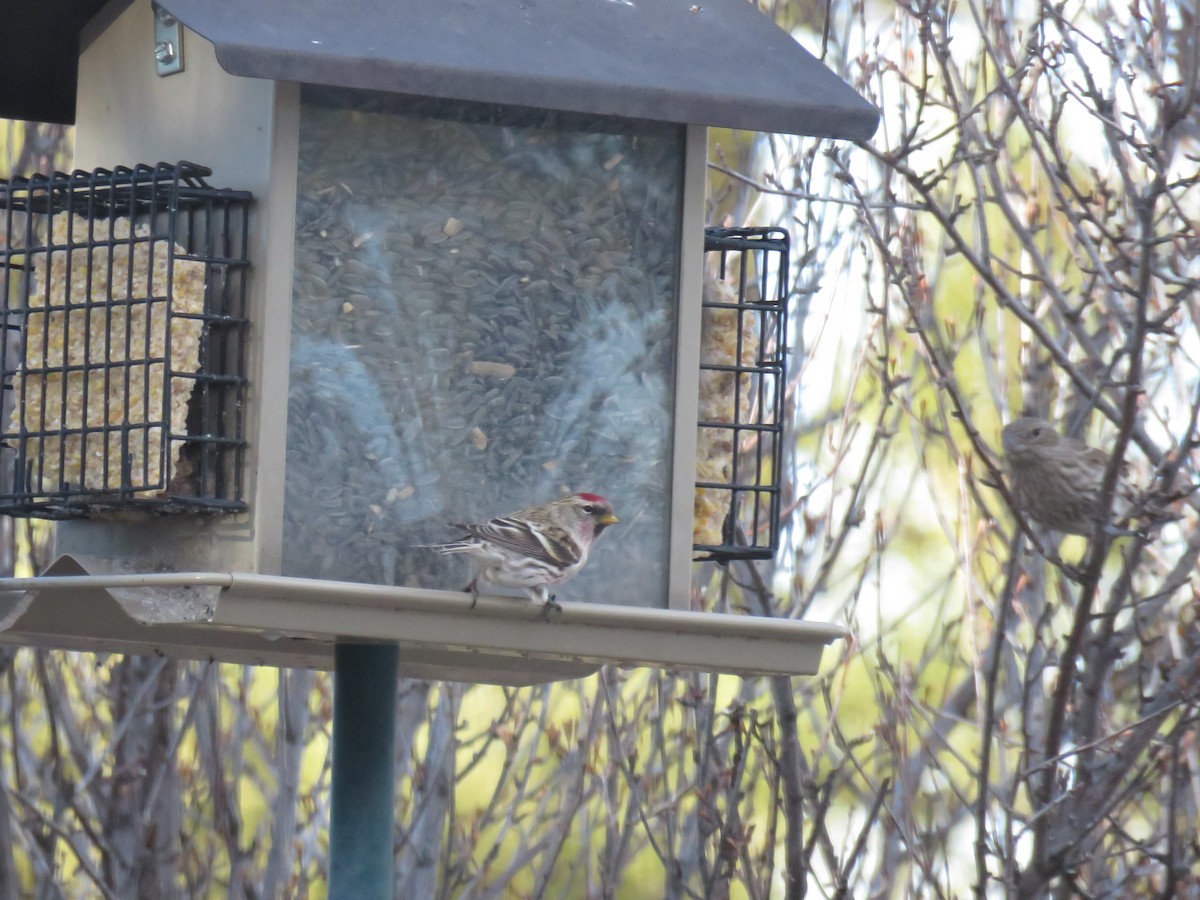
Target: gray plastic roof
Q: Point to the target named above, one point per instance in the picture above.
(704, 62)
(710, 62)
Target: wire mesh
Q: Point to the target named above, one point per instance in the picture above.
(743, 381)
(124, 312)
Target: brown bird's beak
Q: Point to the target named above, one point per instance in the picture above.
(608, 519)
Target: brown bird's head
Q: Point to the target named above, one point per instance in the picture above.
(1027, 435)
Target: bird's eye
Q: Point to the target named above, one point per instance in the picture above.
(1036, 432)
(588, 508)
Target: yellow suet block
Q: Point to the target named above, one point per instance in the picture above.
(720, 395)
(95, 355)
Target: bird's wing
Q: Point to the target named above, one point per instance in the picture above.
(551, 544)
(1087, 455)
(1099, 459)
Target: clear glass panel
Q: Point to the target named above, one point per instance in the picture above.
(484, 319)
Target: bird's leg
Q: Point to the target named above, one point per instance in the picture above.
(1073, 573)
(541, 592)
(472, 588)
(1116, 531)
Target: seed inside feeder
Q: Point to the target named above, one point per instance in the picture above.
(491, 369)
(509, 310)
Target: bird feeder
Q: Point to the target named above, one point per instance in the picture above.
(425, 268)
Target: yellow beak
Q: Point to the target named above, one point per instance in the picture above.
(607, 519)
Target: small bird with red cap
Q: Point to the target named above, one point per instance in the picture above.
(536, 548)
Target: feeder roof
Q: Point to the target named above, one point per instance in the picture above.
(703, 62)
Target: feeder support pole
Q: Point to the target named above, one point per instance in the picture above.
(364, 771)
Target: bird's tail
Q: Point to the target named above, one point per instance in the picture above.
(452, 547)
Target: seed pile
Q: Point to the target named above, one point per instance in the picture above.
(483, 319)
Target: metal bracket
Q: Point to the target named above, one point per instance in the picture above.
(168, 42)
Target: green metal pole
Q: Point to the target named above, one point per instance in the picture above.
(364, 771)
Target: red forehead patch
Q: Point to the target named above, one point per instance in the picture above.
(592, 498)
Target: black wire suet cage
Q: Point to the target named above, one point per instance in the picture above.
(124, 305)
(743, 383)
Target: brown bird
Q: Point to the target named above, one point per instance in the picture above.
(1057, 480)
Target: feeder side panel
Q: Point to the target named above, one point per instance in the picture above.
(127, 114)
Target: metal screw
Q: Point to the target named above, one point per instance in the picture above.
(164, 52)
(163, 16)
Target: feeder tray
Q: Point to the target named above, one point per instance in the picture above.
(276, 620)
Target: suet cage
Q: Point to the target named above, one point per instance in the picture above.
(743, 384)
(123, 363)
